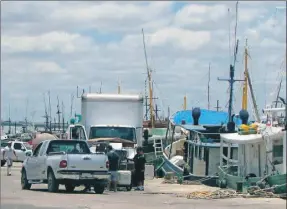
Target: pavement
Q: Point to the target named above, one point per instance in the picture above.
(155, 196)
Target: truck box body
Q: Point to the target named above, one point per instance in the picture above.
(113, 110)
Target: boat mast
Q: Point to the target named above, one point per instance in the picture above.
(50, 111)
(231, 79)
(245, 85)
(63, 118)
(58, 113)
(184, 102)
(150, 84)
(257, 117)
(9, 131)
(208, 89)
(119, 87)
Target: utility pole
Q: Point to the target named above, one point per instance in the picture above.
(208, 89)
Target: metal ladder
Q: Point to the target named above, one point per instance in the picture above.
(158, 147)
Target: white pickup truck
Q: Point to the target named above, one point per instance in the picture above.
(67, 162)
(22, 149)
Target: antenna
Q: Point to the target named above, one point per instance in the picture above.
(229, 35)
(208, 89)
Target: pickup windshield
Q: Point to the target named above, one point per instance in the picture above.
(69, 147)
(113, 132)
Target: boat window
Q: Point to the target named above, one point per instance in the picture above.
(277, 154)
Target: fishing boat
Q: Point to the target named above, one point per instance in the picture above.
(196, 156)
(261, 158)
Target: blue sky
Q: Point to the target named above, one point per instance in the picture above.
(58, 45)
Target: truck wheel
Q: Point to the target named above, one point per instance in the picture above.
(69, 187)
(24, 181)
(129, 188)
(99, 189)
(3, 162)
(53, 185)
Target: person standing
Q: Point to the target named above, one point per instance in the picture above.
(8, 155)
(113, 167)
(139, 162)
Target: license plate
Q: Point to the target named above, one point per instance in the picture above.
(86, 176)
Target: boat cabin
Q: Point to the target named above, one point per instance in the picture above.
(259, 155)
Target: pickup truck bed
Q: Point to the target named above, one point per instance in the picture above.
(66, 162)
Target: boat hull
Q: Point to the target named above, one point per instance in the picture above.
(280, 181)
(168, 166)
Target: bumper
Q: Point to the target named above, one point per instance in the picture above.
(80, 178)
(82, 175)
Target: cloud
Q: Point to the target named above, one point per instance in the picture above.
(62, 42)
(57, 46)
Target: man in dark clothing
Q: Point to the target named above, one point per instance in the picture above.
(113, 167)
(139, 162)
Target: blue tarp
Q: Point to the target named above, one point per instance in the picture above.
(207, 117)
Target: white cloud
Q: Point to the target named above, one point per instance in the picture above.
(187, 40)
(200, 14)
(50, 42)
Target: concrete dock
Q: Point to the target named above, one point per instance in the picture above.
(155, 196)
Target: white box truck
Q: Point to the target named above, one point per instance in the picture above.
(113, 116)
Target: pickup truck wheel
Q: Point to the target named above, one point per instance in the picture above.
(24, 181)
(129, 188)
(99, 189)
(69, 187)
(3, 162)
(53, 185)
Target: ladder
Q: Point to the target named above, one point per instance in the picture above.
(158, 147)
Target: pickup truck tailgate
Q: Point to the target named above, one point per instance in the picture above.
(86, 162)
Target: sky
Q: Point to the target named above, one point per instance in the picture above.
(56, 46)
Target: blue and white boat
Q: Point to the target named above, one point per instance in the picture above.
(197, 155)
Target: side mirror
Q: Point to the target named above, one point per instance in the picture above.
(29, 154)
(23, 149)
